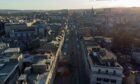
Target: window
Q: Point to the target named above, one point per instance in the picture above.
(106, 71)
(113, 81)
(106, 80)
(99, 70)
(114, 72)
(99, 79)
(98, 83)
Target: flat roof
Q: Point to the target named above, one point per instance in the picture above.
(8, 56)
(103, 58)
(36, 59)
(40, 78)
(12, 50)
(98, 37)
(109, 55)
(88, 38)
(108, 39)
(6, 70)
(16, 55)
(1, 43)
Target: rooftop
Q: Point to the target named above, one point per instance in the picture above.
(6, 69)
(9, 24)
(96, 40)
(108, 39)
(103, 57)
(39, 59)
(40, 78)
(39, 73)
(88, 38)
(12, 50)
(101, 37)
(3, 44)
(109, 56)
(6, 57)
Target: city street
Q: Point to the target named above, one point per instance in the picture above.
(73, 52)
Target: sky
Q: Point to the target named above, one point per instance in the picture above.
(65, 4)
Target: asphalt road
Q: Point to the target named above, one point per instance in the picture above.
(73, 51)
(79, 61)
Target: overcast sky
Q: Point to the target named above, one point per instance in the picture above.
(65, 4)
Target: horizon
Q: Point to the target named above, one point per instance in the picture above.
(63, 4)
(63, 9)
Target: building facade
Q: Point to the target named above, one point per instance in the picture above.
(101, 64)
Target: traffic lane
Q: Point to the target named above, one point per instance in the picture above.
(78, 58)
(75, 59)
(82, 71)
(72, 56)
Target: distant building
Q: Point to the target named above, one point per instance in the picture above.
(24, 44)
(40, 29)
(23, 34)
(24, 38)
(11, 26)
(104, 42)
(56, 17)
